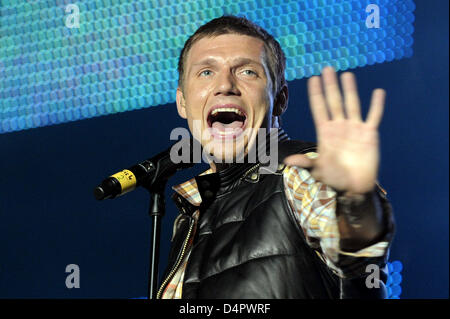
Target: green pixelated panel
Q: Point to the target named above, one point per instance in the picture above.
(124, 54)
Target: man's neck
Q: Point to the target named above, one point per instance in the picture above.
(218, 166)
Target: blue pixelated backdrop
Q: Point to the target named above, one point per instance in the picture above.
(65, 65)
(121, 55)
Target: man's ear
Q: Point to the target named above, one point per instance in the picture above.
(181, 103)
(281, 101)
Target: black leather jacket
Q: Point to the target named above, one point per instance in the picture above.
(248, 243)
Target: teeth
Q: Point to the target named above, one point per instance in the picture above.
(227, 109)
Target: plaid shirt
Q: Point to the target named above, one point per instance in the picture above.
(314, 204)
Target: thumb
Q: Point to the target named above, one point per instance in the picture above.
(299, 160)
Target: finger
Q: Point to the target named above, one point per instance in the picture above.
(317, 101)
(299, 160)
(351, 98)
(376, 108)
(332, 93)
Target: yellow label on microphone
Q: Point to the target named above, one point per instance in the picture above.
(126, 179)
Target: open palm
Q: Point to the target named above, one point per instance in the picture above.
(348, 147)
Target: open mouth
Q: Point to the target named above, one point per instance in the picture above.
(226, 121)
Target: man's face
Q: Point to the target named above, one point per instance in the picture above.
(227, 93)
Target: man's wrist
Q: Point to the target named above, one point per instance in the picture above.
(350, 198)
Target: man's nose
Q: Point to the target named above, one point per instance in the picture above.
(226, 84)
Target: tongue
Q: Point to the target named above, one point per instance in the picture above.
(231, 126)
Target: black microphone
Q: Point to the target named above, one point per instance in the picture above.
(151, 173)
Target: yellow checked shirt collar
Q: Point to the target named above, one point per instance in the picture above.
(189, 190)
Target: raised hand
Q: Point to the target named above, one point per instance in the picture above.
(348, 147)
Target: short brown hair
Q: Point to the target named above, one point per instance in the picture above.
(239, 25)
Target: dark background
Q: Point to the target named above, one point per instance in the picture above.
(49, 218)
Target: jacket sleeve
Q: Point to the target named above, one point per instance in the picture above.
(320, 214)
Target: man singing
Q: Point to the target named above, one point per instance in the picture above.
(318, 225)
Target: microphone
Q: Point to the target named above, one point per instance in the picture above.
(151, 173)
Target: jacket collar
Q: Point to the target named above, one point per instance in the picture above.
(208, 185)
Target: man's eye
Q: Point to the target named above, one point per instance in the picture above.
(249, 72)
(205, 73)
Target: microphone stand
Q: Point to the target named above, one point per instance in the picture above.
(160, 168)
(157, 208)
(156, 187)
(156, 212)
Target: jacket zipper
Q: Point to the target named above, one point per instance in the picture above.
(186, 241)
(249, 170)
(180, 258)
